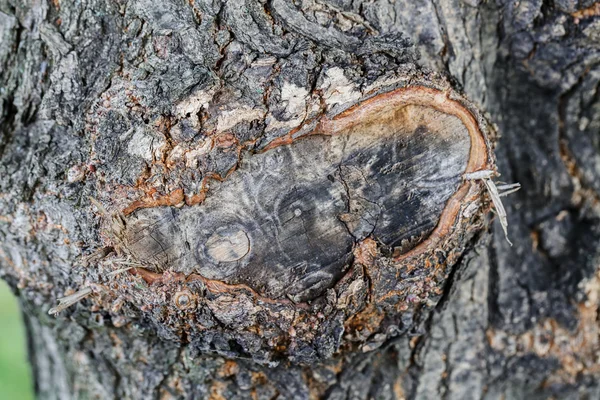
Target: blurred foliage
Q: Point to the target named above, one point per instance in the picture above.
(15, 378)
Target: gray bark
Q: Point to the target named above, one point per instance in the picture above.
(147, 106)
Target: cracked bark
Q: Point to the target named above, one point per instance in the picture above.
(164, 112)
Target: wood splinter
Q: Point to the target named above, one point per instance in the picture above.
(495, 193)
(67, 301)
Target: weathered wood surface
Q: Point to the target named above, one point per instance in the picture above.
(285, 222)
(319, 232)
(143, 105)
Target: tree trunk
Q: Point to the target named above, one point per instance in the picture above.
(290, 199)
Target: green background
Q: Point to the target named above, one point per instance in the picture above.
(15, 377)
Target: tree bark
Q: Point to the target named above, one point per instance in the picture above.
(132, 134)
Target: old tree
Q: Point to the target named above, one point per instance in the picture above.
(289, 199)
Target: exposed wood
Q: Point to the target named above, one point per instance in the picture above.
(286, 221)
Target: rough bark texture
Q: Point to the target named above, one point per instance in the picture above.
(168, 112)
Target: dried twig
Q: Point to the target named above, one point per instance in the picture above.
(495, 194)
(68, 301)
(505, 190)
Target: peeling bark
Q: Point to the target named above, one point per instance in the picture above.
(267, 199)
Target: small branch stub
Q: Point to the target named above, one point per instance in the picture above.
(227, 245)
(184, 299)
